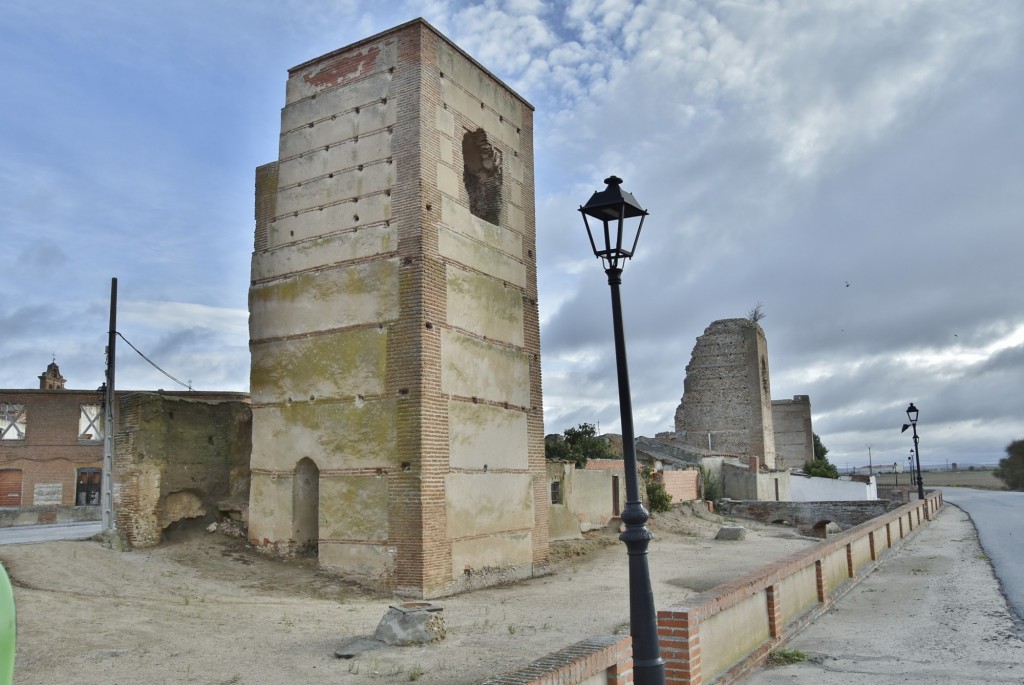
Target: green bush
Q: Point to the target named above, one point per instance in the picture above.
(710, 485)
(657, 496)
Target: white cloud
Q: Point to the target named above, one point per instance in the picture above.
(783, 148)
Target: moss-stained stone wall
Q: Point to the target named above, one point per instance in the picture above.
(394, 327)
(178, 457)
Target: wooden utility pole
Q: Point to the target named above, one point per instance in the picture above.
(107, 497)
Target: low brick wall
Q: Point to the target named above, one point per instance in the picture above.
(682, 485)
(599, 660)
(724, 634)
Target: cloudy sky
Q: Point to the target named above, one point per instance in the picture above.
(856, 167)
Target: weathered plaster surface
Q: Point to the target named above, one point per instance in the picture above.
(485, 306)
(375, 561)
(799, 593)
(334, 298)
(473, 368)
(464, 249)
(494, 552)
(269, 496)
(484, 435)
(334, 434)
(728, 636)
(354, 508)
(342, 364)
(489, 503)
(333, 248)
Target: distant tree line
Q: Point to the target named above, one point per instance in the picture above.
(1011, 468)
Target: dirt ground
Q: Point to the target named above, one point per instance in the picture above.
(204, 608)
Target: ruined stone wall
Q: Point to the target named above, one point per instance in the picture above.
(791, 420)
(394, 326)
(178, 458)
(808, 515)
(587, 498)
(727, 392)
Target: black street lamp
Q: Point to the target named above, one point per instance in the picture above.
(912, 417)
(612, 207)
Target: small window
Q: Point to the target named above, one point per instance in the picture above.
(13, 421)
(90, 423)
(87, 489)
(556, 492)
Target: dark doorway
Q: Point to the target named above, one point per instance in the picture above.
(615, 496)
(87, 487)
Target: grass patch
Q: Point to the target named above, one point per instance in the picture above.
(784, 657)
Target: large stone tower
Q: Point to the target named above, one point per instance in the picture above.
(397, 410)
(726, 405)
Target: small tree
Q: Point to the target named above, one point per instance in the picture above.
(1011, 467)
(756, 314)
(819, 447)
(820, 466)
(578, 445)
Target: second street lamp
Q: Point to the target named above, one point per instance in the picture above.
(614, 211)
(912, 414)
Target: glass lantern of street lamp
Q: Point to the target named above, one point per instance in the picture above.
(912, 413)
(611, 208)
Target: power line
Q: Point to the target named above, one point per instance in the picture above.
(153, 364)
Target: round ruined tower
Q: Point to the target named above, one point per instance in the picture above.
(726, 406)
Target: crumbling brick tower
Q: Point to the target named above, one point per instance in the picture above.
(726, 406)
(397, 414)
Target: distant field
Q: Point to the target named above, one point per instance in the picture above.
(959, 479)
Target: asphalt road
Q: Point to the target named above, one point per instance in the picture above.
(999, 518)
(15, 535)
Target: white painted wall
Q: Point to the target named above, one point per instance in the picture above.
(810, 489)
